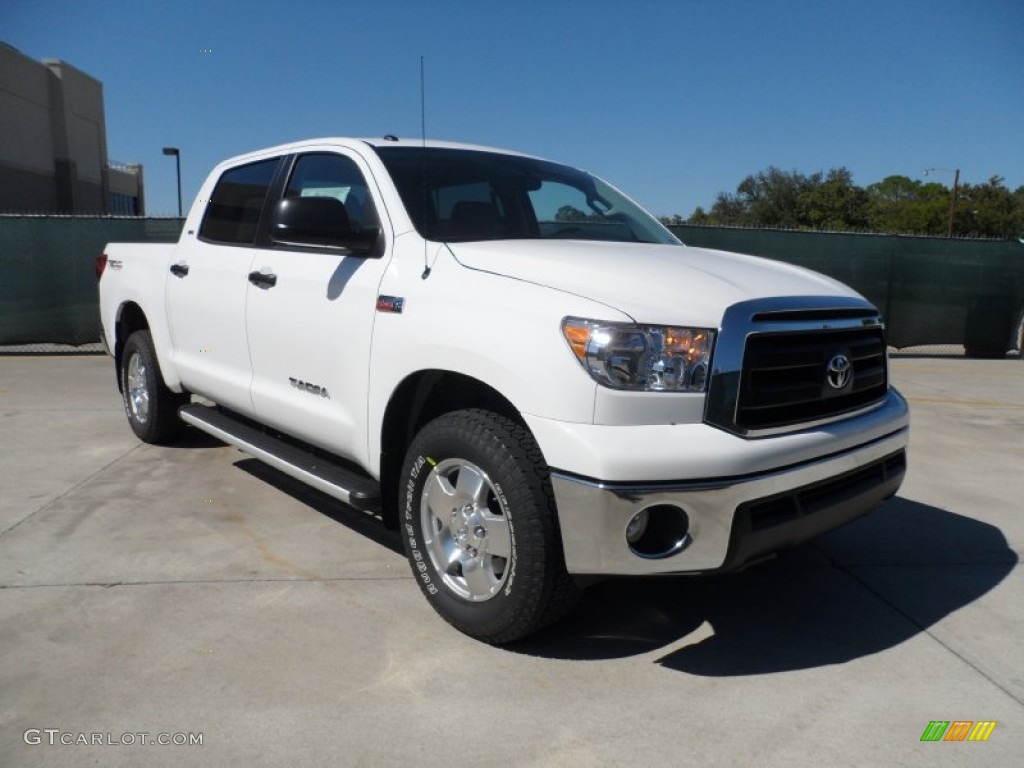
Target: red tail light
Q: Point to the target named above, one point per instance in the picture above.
(101, 264)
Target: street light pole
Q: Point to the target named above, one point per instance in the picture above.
(952, 200)
(177, 161)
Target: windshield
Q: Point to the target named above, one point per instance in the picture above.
(458, 195)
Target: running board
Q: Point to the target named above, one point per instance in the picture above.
(347, 485)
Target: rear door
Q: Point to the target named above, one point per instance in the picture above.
(310, 322)
(208, 287)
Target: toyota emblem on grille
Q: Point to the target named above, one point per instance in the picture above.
(838, 371)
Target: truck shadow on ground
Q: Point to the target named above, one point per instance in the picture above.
(193, 438)
(857, 591)
(363, 523)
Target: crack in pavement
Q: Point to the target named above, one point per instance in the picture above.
(71, 490)
(923, 629)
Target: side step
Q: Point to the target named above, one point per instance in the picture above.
(349, 486)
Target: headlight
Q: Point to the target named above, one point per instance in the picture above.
(650, 358)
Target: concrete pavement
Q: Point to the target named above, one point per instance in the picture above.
(192, 590)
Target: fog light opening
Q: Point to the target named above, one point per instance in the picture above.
(637, 527)
(659, 531)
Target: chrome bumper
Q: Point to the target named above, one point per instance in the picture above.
(732, 521)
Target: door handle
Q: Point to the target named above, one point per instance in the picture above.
(179, 270)
(263, 279)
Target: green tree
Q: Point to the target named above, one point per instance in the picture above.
(728, 210)
(833, 202)
(902, 204)
(897, 204)
(791, 200)
(989, 210)
(701, 217)
(569, 213)
(771, 198)
(1018, 205)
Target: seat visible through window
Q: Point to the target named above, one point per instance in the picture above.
(476, 220)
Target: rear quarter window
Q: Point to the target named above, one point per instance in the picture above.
(233, 213)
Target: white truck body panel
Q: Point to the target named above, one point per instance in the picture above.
(206, 315)
(658, 284)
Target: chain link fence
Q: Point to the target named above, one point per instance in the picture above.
(52, 350)
(939, 296)
(49, 293)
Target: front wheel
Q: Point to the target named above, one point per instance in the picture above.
(480, 528)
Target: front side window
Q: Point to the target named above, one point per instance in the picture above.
(338, 177)
(233, 213)
(457, 195)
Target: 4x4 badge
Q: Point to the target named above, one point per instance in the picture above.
(390, 304)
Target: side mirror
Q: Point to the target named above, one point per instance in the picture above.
(319, 221)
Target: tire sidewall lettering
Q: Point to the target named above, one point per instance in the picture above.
(412, 489)
(510, 519)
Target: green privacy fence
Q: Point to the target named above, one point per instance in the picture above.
(931, 290)
(48, 292)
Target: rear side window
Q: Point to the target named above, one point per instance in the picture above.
(233, 212)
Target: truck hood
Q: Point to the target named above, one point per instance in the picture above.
(663, 284)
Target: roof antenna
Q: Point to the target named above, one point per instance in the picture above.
(423, 170)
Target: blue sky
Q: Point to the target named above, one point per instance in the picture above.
(671, 101)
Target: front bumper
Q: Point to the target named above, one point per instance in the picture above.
(732, 521)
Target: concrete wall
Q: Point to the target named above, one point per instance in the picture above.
(53, 139)
(27, 170)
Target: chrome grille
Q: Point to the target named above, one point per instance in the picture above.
(771, 366)
(784, 376)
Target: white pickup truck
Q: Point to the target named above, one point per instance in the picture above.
(509, 361)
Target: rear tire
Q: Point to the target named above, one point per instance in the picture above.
(151, 408)
(480, 529)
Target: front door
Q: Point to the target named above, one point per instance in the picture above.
(311, 323)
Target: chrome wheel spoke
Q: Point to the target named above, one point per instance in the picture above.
(443, 550)
(471, 486)
(465, 530)
(479, 579)
(440, 496)
(499, 539)
(138, 395)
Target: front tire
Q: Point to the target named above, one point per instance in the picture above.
(151, 408)
(480, 528)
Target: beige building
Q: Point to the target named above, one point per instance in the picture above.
(53, 143)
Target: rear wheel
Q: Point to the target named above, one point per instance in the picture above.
(151, 407)
(480, 528)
